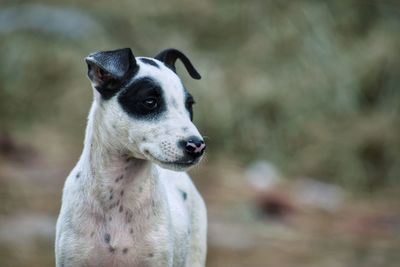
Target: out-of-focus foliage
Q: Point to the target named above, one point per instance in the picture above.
(310, 85)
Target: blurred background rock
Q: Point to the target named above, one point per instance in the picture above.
(299, 101)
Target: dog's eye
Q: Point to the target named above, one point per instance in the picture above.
(150, 103)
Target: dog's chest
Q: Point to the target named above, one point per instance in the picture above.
(144, 224)
(129, 236)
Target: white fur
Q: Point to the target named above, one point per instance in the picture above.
(156, 226)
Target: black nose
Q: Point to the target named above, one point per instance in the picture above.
(195, 146)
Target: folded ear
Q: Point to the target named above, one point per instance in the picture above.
(169, 57)
(107, 70)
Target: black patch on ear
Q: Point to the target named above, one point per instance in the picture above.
(109, 70)
(149, 62)
(169, 57)
(132, 99)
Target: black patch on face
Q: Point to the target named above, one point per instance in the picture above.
(143, 99)
(189, 102)
(149, 62)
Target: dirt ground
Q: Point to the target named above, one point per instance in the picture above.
(247, 227)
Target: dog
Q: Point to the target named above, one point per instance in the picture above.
(128, 201)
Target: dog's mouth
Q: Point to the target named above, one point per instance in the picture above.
(177, 164)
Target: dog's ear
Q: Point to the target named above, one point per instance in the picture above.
(107, 70)
(169, 57)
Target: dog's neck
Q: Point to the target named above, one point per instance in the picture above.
(112, 172)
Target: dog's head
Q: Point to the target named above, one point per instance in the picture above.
(145, 109)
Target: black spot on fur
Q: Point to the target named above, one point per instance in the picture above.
(111, 197)
(143, 99)
(119, 178)
(184, 194)
(150, 255)
(128, 216)
(131, 231)
(122, 193)
(91, 234)
(149, 62)
(185, 129)
(110, 219)
(111, 249)
(121, 208)
(144, 139)
(125, 250)
(107, 238)
(140, 189)
(78, 175)
(174, 103)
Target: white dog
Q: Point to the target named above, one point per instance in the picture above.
(125, 203)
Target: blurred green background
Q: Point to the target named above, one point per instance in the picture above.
(299, 103)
